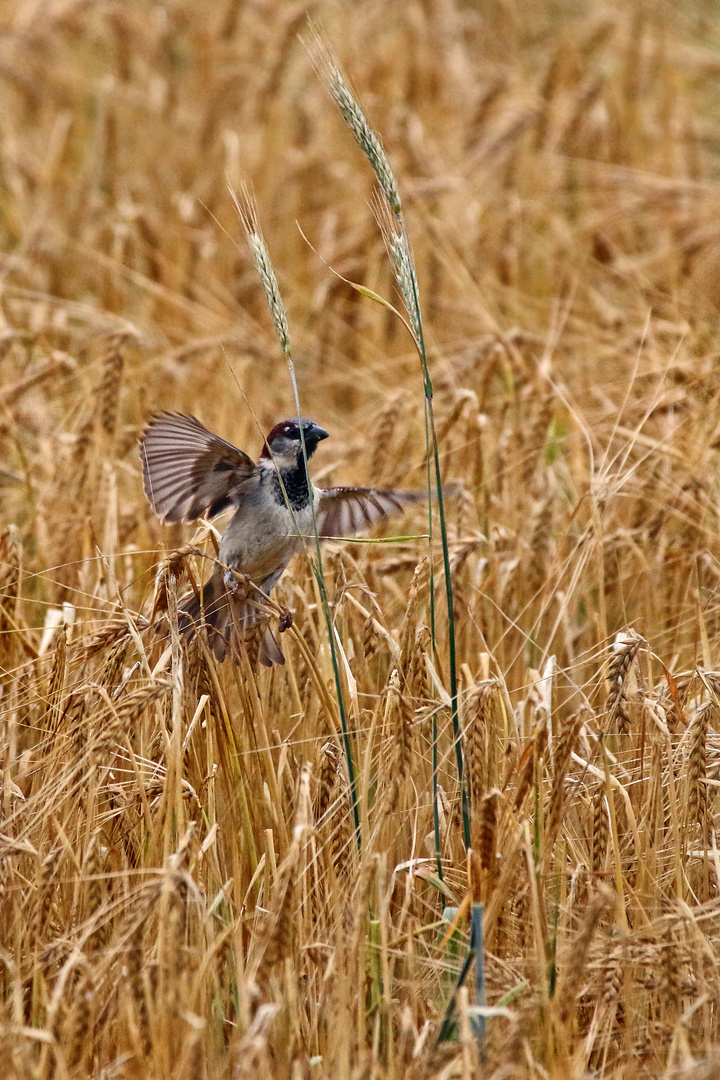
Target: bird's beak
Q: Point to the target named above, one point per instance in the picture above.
(318, 433)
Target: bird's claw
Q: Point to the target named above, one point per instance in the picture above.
(285, 621)
(236, 584)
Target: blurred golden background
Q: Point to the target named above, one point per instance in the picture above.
(183, 892)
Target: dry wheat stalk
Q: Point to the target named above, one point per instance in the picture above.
(10, 577)
(697, 762)
(128, 942)
(327, 776)
(600, 830)
(572, 977)
(563, 752)
(385, 429)
(57, 681)
(479, 734)
(487, 840)
(409, 628)
(625, 649)
(398, 725)
(108, 389)
(532, 755)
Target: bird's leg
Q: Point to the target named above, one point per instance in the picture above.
(236, 584)
(285, 621)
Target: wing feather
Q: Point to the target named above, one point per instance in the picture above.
(187, 470)
(344, 511)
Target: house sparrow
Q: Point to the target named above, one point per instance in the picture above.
(189, 472)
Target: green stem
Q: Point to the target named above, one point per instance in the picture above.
(430, 420)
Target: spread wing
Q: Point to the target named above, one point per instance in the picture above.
(344, 511)
(187, 470)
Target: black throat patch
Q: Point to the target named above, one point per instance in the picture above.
(295, 483)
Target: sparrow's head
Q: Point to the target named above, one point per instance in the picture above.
(284, 443)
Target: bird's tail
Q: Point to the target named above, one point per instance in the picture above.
(233, 621)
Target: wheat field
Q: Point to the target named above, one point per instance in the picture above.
(190, 886)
